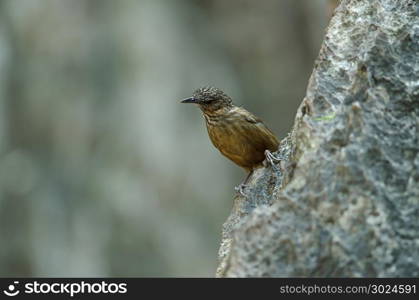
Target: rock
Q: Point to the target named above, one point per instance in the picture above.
(344, 200)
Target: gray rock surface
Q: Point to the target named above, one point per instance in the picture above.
(344, 201)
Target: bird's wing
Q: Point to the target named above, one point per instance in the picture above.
(243, 138)
(258, 133)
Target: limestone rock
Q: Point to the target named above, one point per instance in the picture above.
(344, 201)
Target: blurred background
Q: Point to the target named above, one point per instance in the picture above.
(102, 171)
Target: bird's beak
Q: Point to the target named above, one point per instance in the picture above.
(190, 100)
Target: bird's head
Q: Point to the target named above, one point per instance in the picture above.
(210, 99)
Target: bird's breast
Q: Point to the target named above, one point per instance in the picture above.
(236, 138)
(221, 131)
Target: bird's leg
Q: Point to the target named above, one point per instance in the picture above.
(271, 158)
(240, 188)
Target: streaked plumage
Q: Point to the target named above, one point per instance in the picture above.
(235, 132)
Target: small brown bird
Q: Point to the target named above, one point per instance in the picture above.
(235, 132)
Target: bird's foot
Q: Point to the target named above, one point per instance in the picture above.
(271, 158)
(240, 189)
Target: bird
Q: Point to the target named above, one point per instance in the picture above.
(237, 133)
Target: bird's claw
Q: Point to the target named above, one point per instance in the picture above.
(271, 158)
(240, 189)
